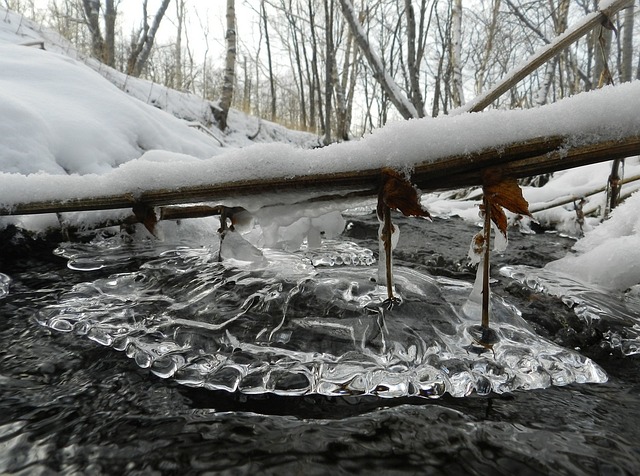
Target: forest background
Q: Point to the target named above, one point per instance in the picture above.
(341, 68)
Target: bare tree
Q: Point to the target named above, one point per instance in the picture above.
(626, 70)
(142, 41)
(389, 86)
(221, 111)
(110, 14)
(92, 16)
(180, 21)
(413, 57)
(315, 89)
(102, 46)
(272, 83)
(560, 18)
(328, 83)
(295, 36)
(457, 90)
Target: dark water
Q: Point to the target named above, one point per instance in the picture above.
(70, 406)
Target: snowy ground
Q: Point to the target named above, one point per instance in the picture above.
(70, 127)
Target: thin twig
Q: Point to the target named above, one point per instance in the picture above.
(485, 270)
(387, 231)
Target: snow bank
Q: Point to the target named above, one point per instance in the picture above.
(58, 116)
(608, 255)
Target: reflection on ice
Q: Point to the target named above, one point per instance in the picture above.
(618, 319)
(307, 322)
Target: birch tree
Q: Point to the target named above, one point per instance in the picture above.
(457, 90)
(180, 21)
(626, 69)
(221, 112)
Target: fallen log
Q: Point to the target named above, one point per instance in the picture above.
(519, 160)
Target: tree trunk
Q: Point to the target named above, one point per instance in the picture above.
(328, 76)
(92, 16)
(221, 113)
(293, 27)
(316, 90)
(412, 60)
(110, 13)
(491, 33)
(272, 83)
(627, 44)
(601, 73)
(179, 79)
(142, 45)
(457, 91)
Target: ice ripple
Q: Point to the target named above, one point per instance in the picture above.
(299, 324)
(617, 317)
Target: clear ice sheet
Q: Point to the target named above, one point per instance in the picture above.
(616, 314)
(310, 322)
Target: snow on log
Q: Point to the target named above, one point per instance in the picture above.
(522, 159)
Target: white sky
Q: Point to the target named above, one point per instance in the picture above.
(201, 14)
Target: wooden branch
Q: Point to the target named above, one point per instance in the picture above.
(544, 54)
(572, 198)
(533, 157)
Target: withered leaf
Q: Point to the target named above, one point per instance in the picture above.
(608, 24)
(147, 216)
(398, 193)
(503, 192)
(477, 244)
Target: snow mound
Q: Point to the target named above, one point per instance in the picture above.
(61, 117)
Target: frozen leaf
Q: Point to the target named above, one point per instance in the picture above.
(147, 216)
(477, 247)
(503, 192)
(608, 24)
(397, 193)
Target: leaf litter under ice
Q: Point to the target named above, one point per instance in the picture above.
(304, 323)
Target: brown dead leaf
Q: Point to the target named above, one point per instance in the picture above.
(398, 193)
(477, 244)
(147, 216)
(608, 24)
(503, 192)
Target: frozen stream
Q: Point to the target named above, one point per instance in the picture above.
(145, 357)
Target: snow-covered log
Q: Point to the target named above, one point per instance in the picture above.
(520, 159)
